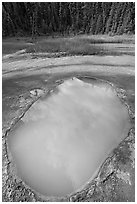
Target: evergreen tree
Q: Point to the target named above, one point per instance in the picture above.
(35, 18)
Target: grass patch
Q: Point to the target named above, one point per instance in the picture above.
(50, 45)
(100, 39)
(77, 45)
(11, 48)
(12, 45)
(69, 46)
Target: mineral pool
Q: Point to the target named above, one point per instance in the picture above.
(63, 139)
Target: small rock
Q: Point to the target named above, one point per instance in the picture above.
(36, 92)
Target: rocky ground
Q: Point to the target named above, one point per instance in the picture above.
(26, 77)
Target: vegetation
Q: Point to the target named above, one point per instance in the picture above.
(64, 46)
(53, 18)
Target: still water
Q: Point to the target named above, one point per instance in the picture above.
(63, 139)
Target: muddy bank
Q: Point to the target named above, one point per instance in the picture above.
(100, 64)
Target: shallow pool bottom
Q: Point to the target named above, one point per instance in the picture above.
(64, 137)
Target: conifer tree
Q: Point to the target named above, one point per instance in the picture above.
(35, 18)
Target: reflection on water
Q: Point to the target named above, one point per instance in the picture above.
(64, 138)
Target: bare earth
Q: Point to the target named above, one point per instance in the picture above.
(26, 77)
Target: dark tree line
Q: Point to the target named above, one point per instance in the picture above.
(36, 18)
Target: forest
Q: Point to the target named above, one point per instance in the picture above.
(65, 18)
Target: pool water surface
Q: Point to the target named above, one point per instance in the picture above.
(64, 138)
